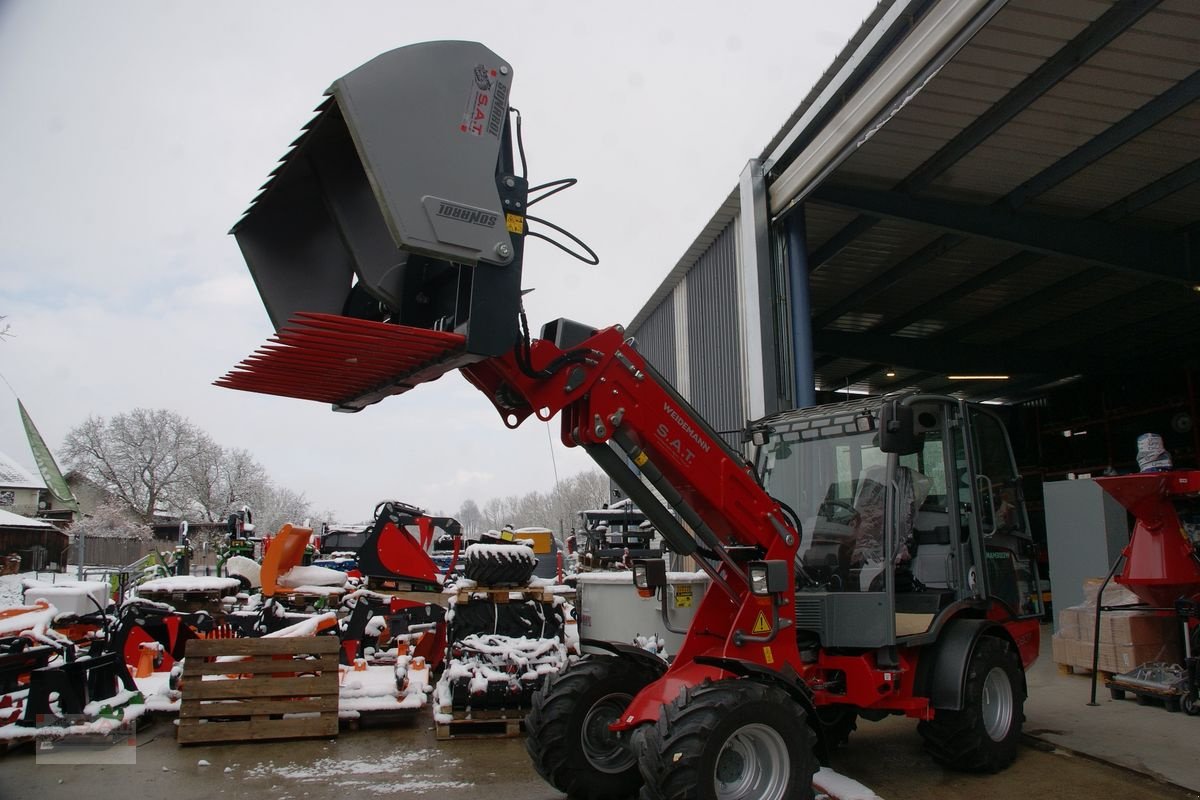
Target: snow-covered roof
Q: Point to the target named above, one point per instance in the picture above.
(14, 476)
(11, 520)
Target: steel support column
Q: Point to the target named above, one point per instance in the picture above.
(800, 308)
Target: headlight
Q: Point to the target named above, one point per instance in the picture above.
(758, 580)
(767, 577)
(640, 579)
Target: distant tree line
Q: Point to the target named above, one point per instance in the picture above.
(157, 462)
(557, 509)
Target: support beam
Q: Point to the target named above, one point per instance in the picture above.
(1136, 250)
(938, 357)
(1086, 44)
(883, 282)
(800, 311)
(1133, 125)
(1148, 195)
(1026, 303)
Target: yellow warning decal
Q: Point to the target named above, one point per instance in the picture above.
(760, 624)
(515, 223)
(641, 459)
(768, 656)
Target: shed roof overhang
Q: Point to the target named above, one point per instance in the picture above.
(1012, 189)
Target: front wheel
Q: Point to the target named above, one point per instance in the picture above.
(567, 728)
(729, 740)
(984, 735)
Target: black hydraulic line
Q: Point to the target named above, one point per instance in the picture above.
(680, 540)
(675, 499)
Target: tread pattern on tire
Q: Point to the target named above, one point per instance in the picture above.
(552, 726)
(531, 619)
(671, 752)
(957, 739)
(487, 567)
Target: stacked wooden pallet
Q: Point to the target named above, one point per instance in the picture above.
(269, 688)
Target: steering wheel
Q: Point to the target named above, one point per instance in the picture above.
(838, 511)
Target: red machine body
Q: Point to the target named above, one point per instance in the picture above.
(1161, 563)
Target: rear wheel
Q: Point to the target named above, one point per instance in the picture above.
(984, 735)
(568, 736)
(729, 740)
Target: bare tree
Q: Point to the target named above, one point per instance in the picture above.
(112, 521)
(158, 461)
(144, 457)
(221, 480)
(556, 510)
(469, 516)
(273, 506)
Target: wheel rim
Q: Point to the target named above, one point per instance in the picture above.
(601, 746)
(753, 763)
(997, 704)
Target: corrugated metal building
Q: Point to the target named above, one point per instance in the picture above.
(974, 187)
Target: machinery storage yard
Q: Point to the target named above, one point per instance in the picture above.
(896, 487)
(1109, 751)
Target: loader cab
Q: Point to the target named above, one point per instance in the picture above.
(910, 514)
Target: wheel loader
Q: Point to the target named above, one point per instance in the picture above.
(874, 558)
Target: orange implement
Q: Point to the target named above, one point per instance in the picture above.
(287, 551)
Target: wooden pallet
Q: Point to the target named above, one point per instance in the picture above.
(497, 724)
(1075, 669)
(273, 679)
(496, 594)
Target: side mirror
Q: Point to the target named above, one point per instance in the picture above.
(758, 435)
(897, 432)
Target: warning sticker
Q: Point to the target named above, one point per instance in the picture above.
(760, 624)
(515, 223)
(768, 656)
(683, 597)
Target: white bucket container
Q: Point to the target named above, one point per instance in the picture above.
(610, 608)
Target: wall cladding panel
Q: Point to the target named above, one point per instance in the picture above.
(714, 351)
(656, 340)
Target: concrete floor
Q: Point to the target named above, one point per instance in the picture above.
(1075, 752)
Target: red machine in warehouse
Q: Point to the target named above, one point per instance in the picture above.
(875, 560)
(1161, 565)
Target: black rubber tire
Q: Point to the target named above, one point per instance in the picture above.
(1116, 694)
(531, 619)
(596, 686)
(1189, 704)
(837, 723)
(488, 568)
(698, 736)
(959, 739)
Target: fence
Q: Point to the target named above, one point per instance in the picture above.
(112, 552)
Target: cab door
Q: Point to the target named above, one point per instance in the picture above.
(1002, 541)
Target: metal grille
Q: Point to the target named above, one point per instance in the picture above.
(810, 614)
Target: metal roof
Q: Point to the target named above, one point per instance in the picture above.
(13, 476)
(1028, 204)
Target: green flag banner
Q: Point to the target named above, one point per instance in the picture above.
(53, 477)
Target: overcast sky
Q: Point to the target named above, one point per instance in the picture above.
(135, 133)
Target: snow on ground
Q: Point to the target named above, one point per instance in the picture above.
(835, 786)
(415, 772)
